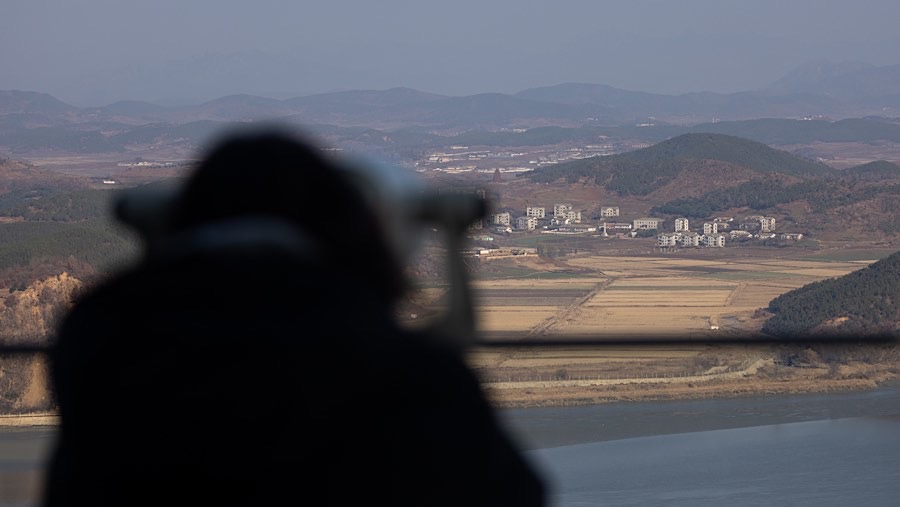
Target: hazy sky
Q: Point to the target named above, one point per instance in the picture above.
(94, 52)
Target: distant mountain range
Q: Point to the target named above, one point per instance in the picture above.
(816, 89)
(823, 102)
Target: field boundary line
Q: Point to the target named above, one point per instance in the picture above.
(544, 326)
(750, 370)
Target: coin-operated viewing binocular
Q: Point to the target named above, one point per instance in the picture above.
(402, 205)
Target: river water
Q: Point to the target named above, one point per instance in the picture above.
(823, 450)
(815, 449)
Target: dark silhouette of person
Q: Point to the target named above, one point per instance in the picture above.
(250, 357)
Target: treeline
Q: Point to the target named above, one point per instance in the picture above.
(69, 140)
(96, 242)
(643, 171)
(821, 195)
(757, 194)
(784, 131)
(735, 150)
(617, 175)
(873, 171)
(19, 277)
(866, 301)
(593, 169)
(59, 139)
(46, 204)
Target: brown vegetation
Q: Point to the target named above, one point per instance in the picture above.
(29, 316)
(604, 375)
(679, 296)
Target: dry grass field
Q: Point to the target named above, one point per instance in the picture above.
(646, 295)
(622, 297)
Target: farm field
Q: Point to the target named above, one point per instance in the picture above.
(622, 297)
(645, 295)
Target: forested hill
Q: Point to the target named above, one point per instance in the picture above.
(50, 222)
(643, 171)
(735, 150)
(873, 171)
(866, 301)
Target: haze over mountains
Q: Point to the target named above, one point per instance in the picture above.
(816, 89)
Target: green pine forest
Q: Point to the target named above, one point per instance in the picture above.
(865, 302)
(57, 229)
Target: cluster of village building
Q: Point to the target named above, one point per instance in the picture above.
(714, 232)
(685, 237)
(566, 220)
(563, 215)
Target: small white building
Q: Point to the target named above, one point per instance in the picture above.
(617, 226)
(609, 211)
(646, 223)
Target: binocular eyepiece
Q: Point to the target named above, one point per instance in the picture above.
(402, 207)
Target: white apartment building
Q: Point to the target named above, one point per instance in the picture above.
(573, 217)
(710, 228)
(690, 239)
(526, 223)
(501, 219)
(714, 240)
(668, 239)
(682, 224)
(536, 212)
(559, 210)
(767, 224)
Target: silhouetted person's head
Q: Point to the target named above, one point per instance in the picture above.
(271, 175)
(249, 358)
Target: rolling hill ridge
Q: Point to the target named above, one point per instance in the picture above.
(863, 302)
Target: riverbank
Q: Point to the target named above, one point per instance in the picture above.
(578, 395)
(667, 380)
(26, 420)
(559, 379)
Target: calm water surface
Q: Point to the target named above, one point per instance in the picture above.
(823, 450)
(23, 453)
